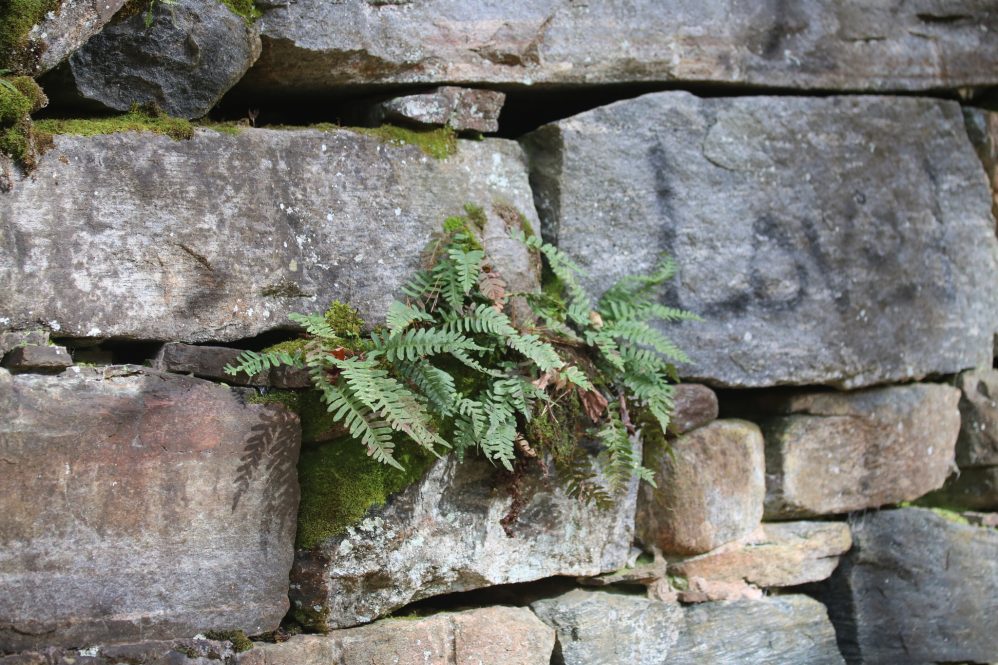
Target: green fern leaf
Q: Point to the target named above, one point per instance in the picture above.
(401, 316)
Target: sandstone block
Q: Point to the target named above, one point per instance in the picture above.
(39, 359)
(780, 554)
(598, 627)
(877, 251)
(11, 340)
(710, 489)
(184, 61)
(982, 128)
(916, 588)
(218, 238)
(141, 505)
(507, 635)
(892, 45)
(839, 452)
(450, 531)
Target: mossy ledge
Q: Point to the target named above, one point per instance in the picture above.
(340, 483)
(17, 17)
(138, 119)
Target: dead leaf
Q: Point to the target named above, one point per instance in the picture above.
(594, 403)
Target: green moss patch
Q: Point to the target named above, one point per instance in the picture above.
(340, 483)
(20, 96)
(245, 8)
(17, 17)
(436, 143)
(237, 638)
(138, 119)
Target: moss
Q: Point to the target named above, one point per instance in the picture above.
(228, 127)
(20, 96)
(17, 17)
(344, 319)
(476, 215)
(190, 652)
(950, 515)
(437, 143)
(138, 119)
(289, 398)
(245, 8)
(237, 638)
(291, 346)
(340, 483)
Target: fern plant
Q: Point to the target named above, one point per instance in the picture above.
(451, 371)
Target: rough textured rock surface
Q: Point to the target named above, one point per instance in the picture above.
(974, 488)
(161, 652)
(892, 45)
(12, 340)
(141, 505)
(209, 362)
(982, 128)
(839, 452)
(191, 54)
(462, 109)
(916, 588)
(598, 627)
(445, 533)
(507, 635)
(115, 236)
(978, 442)
(778, 555)
(39, 359)
(710, 489)
(872, 239)
(693, 406)
(61, 32)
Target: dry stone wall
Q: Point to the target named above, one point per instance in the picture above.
(827, 492)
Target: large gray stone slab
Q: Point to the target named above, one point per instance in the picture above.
(840, 240)
(917, 588)
(451, 531)
(317, 45)
(840, 452)
(220, 237)
(506, 635)
(182, 56)
(599, 627)
(974, 488)
(141, 505)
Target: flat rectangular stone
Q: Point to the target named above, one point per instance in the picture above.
(599, 627)
(840, 452)
(141, 505)
(39, 359)
(839, 240)
(317, 45)
(220, 237)
(779, 555)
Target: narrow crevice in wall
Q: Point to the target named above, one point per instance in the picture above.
(520, 594)
(110, 351)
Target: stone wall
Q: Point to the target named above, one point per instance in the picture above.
(823, 174)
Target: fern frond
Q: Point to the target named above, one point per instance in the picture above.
(538, 351)
(467, 265)
(617, 310)
(390, 399)
(467, 360)
(356, 417)
(420, 286)
(621, 461)
(639, 332)
(252, 363)
(568, 272)
(315, 325)
(413, 344)
(436, 384)
(401, 316)
(631, 287)
(493, 286)
(576, 377)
